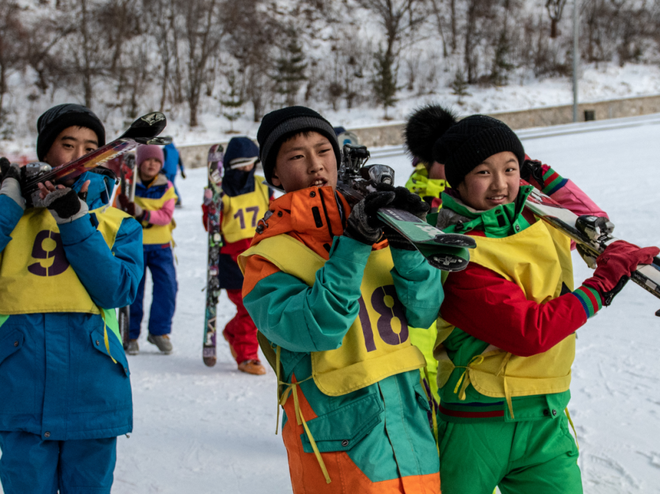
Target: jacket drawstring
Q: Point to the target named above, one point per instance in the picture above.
(292, 388)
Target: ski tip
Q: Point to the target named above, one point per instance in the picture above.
(657, 312)
(209, 361)
(147, 126)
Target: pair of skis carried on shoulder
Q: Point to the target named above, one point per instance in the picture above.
(591, 235)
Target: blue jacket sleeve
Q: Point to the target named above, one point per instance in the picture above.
(98, 194)
(418, 287)
(111, 277)
(9, 217)
(301, 318)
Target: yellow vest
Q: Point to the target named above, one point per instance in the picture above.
(156, 234)
(377, 345)
(538, 260)
(35, 275)
(240, 214)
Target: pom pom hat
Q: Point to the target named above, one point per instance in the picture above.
(425, 126)
(279, 125)
(474, 139)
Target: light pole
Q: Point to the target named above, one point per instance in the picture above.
(576, 55)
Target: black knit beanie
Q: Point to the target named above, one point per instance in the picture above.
(279, 125)
(60, 117)
(474, 139)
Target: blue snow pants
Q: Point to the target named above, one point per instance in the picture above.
(30, 465)
(160, 262)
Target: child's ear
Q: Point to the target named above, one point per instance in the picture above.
(274, 178)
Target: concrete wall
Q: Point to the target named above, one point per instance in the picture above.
(390, 135)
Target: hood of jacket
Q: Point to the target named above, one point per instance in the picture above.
(501, 221)
(314, 216)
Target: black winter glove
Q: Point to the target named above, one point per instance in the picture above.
(363, 224)
(532, 169)
(406, 201)
(11, 188)
(65, 205)
(9, 171)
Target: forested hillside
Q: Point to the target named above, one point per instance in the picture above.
(237, 59)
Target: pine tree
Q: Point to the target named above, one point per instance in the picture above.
(231, 105)
(459, 87)
(383, 81)
(290, 70)
(501, 67)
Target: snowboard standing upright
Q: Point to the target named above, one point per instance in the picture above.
(213, 202)
(127, 188)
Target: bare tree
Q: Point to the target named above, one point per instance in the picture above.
(555, 10)
(11, 44)
(203, 34)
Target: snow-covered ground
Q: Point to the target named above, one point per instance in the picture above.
(211, 430)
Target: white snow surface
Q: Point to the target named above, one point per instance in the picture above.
(211, 430)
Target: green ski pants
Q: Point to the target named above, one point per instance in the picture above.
(537, 457)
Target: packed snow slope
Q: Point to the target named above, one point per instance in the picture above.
(211, 430)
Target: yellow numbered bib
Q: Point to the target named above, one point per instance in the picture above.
(240, 214)
(156, 234)
(35, 275)
(377, 345)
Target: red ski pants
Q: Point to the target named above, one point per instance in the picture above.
(241, 331)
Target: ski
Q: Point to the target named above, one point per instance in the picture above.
(126, 187)
(593, 238)
(143, 131)
(445, 251)
(213, 202)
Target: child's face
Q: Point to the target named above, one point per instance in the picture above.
(437, 171)
(495, 181)
(149, 169)
(305, 161)
(72, 143)
(244, 168)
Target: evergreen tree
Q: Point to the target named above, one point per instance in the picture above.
(290, 69)
(501, 67)
(383, 81)
(459, 87)
(232, 103)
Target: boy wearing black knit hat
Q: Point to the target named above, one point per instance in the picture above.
(332, 303)
(67, 132)
(506, 331)
(64, 267)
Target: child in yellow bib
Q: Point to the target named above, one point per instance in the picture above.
(154, 204)
(333, 304)
(65, 265)
(245, 200)
(506, 338)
